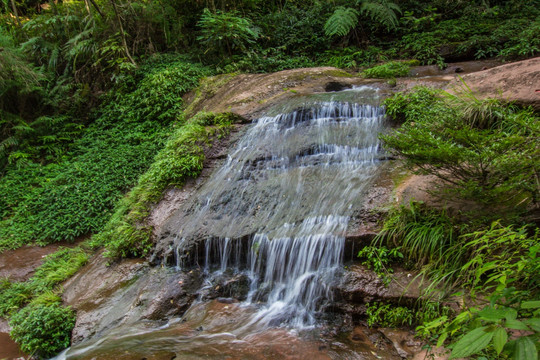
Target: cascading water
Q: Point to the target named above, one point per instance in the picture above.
(278, 209)
(291, 182)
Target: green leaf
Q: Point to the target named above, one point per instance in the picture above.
(491, 314)
(533, 323)
(525, 349)
(530, 304)
(499, 339)
(472, 343)
(516, 324)
(441, 340)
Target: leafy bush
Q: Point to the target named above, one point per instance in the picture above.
(483, 150)
(378, 258)
(421, 233)
(389, 70)
(226, 32)
(388, 315)
(43, 330)
(490, 258)
(490, 331)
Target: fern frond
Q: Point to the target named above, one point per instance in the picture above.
(382, 11)
(342, 21)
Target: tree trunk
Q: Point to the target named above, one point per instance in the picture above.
(122, 33)
(97, 8)
(15, 12)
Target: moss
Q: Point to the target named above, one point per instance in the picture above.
(207, 88)
(337, 73)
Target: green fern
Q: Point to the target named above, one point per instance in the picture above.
(342, 21)
(382, 11)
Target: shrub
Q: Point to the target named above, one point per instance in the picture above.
(378, 258)
(422, 234)
(391, 69)
(226, 32)
(43, 330)
(483, 150)
(388, 315)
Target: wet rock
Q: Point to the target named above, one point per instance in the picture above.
(360, 286)
(336, 86)
(236, 287)
(123, 293)
(177, 294)
(403, 341)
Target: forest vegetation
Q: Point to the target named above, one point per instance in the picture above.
(93, 129)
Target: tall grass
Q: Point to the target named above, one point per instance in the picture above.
(423, 234)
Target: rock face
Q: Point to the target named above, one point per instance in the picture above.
(360, 286)
(108, 296)
(517, 82)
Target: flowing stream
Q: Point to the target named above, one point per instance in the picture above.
(276, 213)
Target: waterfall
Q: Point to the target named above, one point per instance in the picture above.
(274, 214)
(279, 207)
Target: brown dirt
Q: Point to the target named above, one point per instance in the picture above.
(20, 264)
(8, 348)
(518, 82)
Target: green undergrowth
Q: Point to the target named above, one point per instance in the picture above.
(43, 330)
(56, 268)
(44, 203)
(41, 325)
(483, 150)
(486, 154)
(389, 70)
(390, 315)
(182, 158)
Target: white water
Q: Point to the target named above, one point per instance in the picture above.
(292, 181)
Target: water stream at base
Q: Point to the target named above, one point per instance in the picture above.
(276, 212)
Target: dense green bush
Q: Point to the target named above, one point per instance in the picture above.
(225, 32)
(482, 149)
(378, 258)
(43, 330)
(389, 315)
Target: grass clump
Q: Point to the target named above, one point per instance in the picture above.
(182, 158)
(56, 268)
(422, 234)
